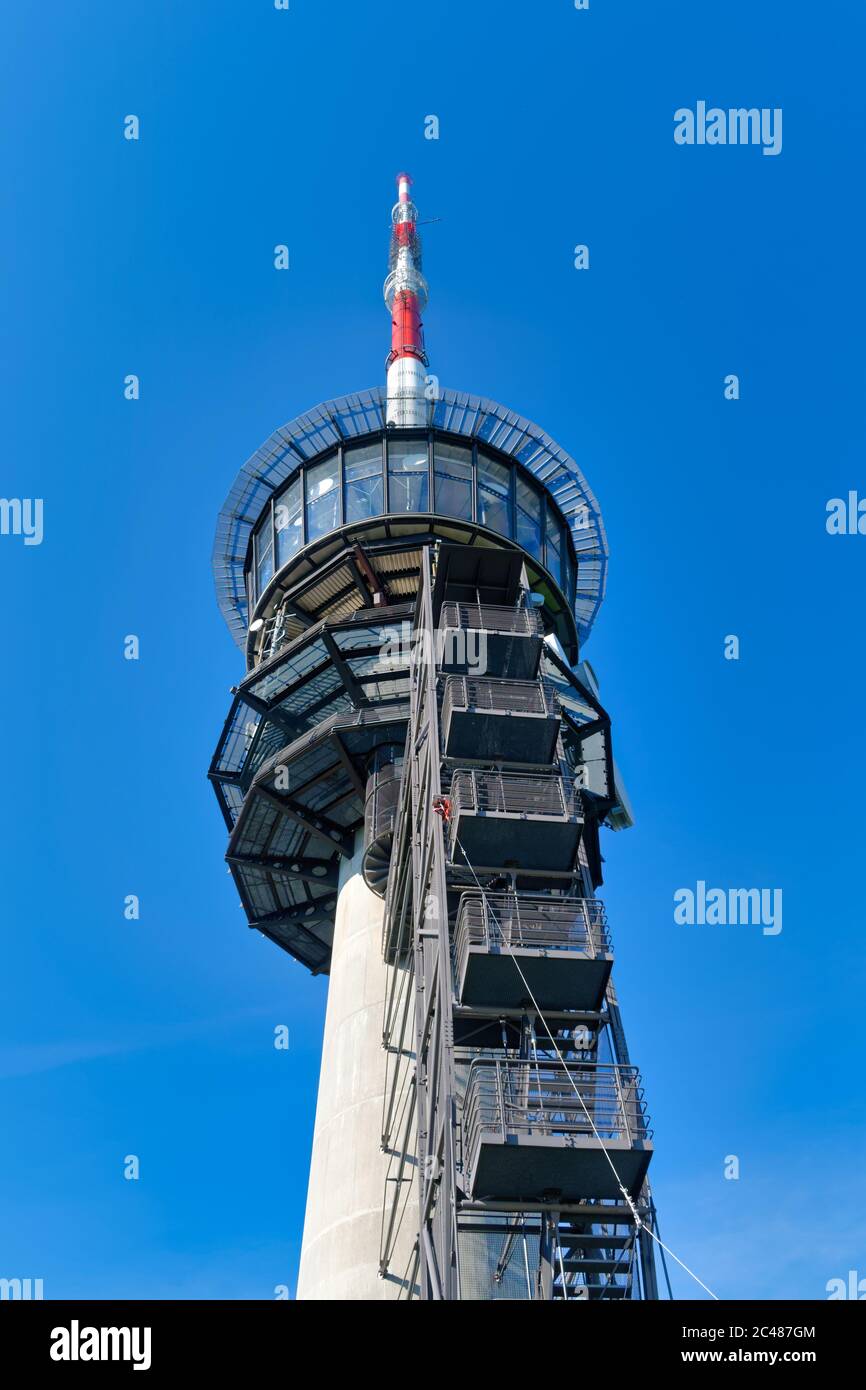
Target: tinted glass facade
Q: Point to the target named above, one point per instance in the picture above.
(393, 475)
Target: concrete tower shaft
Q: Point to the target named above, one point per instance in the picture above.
(348, 1168)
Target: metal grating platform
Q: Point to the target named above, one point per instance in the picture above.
(526, 1134)
(561, 945)
(499, 720)
(504, 820)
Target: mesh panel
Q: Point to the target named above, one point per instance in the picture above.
(480, 1256)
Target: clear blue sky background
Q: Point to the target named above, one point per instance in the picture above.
(258, 127)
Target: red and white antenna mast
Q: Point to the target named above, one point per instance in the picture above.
(406, 297)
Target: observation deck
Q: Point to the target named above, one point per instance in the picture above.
(505, 820)
(561, 945)
(317, 561)
(336, 477)
(486, 637)
(534, 1128)
(499, 720)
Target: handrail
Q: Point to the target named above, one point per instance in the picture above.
(512, 1097)
(499, 921)
(508, 793)
(491, 617)
(488, 695)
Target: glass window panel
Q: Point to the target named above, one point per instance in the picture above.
(386, 690)
(301, 770)
(346, 813)
(290, 670)
(323, 498)
(238, 738)
(375, 636)
(336, 705)
(264, 555)
(319, 798)
(287, 837)
(234, 798)
(452, 469)
(299, 701)
(407, 476)
(362, 479)
(494, 482)
(288, 523)
(567, 570)
(256, 824)
(299, 665)
(271, 739)
(553, 551)
(377, 662)
(528, 517)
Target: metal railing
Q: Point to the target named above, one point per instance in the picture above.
(490, 617)
(510, 1097)
(514, 794)
(276, 634)
(464, 693)
(512, 921)
(381, 800)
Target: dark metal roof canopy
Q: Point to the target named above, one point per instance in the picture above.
(290, 768)
(476, 576)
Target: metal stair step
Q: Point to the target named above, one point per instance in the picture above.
(594, 1242)
(593, 1293)
(575, 1265)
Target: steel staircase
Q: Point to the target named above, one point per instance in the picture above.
(528, 1155)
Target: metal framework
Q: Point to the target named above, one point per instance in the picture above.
(516, 1115)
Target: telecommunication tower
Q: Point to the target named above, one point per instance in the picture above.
(413, 773)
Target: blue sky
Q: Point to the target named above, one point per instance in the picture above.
(261, 127)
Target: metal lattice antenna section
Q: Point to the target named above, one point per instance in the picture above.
(406, 298)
